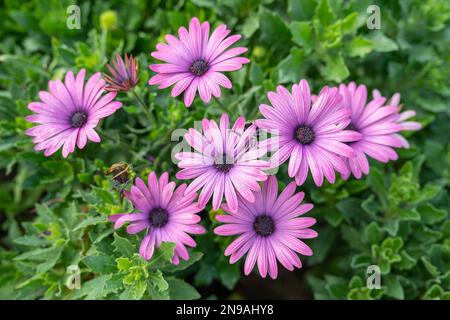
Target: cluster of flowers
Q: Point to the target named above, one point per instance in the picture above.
(334, 131)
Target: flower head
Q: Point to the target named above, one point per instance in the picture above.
(269, 229)
(403, 117)
(224, 162)
(166, 214)
(312, 135)
(123, 75)
(378, 123)
(196, 60)
(69, 112)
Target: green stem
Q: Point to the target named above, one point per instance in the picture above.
(141, 103)
(103, 45)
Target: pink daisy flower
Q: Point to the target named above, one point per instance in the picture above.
(69, 112)
(195, 61)
(403, 118)
(166, 214)
(378, 125)
(224, 162)
(312, 135)
(269, 229)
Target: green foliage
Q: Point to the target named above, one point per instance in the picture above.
(53, 211)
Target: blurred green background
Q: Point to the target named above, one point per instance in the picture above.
(53, 210)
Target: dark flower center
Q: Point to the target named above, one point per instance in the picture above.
(264, 225)
(78, 119)
(199, 67)
(158, 217)
(304, 134)
(351, 126)
(223, 164)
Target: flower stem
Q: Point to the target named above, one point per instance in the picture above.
(103, 44)
(142, 104)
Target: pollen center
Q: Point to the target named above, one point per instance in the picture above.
(78, 119)
(304, 134)
(223, 164)
(158, 217)
(199, 67)
(264, 225)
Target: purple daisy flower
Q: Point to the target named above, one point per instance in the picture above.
(195, 61)
(312, 135)
(225, 162)
(403, 117)
(269, 229)
(378, 124)
(123, 75)
(166, 213)
(69, 112)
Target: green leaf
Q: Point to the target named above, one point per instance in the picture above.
(162, 255)
(100, 263)
(325, 13)
(90, 221)
(381, 43)
(290, 68)
(273, 29)
(322, 245)
(407, 261)
(180, 290)
(361, 260)
(93, 289)
(409, 215)
(250, 26)
(123, 246)
(335, 68)
(359, 47)
(373, 233)
(103, 195)
(434, 293)
(394, 244)
(134, 292)
(302, 34)
(9, 143)
(124, 264)
(193, 258)
(349, 24)
(301, 10)
(394, 287)
(42, 254)
(157, 280)
(45, 213)
(430, 214)
(31, 241)
(256, 74)
(229, 275)
(432, 270)
(336, 287)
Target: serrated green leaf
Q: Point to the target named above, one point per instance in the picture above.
(359, 47)
(100, 263)
(302, 34)
(181, 290)
(90, 221)
(431, 214)
(123, 246)
(335, 68)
